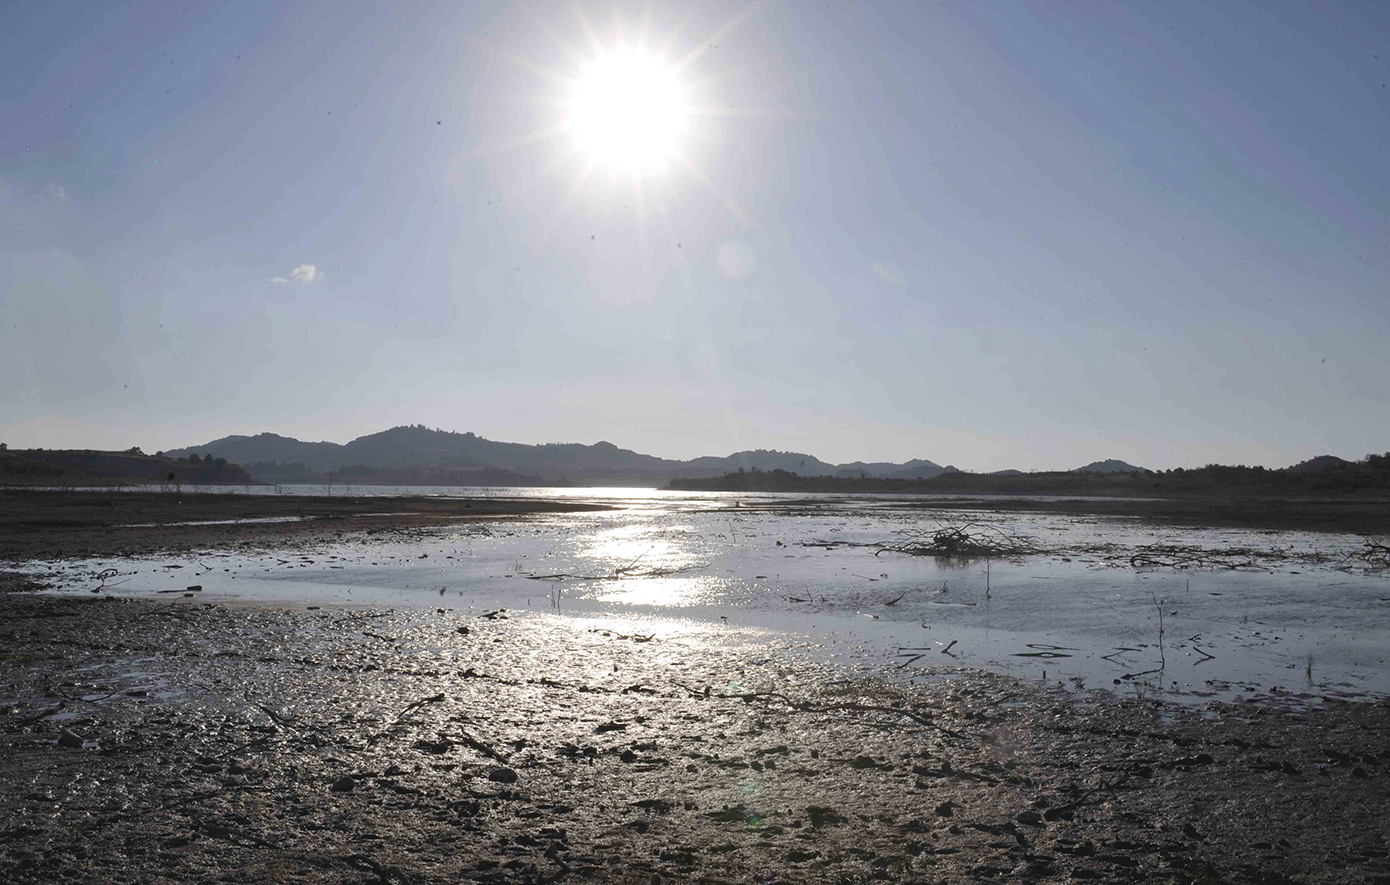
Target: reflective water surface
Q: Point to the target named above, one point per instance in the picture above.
(1252, 612)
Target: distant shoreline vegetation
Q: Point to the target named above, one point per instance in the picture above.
(69, 467)
(1332, 477)
(66, 467)
(439, 461)
(366, 475)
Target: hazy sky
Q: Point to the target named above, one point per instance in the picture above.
(989, 234)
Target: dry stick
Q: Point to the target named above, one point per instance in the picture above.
(410, 708)
(625, 572)
(808, 707)
(69, 697)
(1162, 658)
(1142, 673)
(480, 747)
(277, 718)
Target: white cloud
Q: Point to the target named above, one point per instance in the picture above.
(305, 273)
(888, 273)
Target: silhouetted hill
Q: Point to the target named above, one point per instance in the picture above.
(1366, 478)
(1321, 462)
(418, 455)
(921, 470)
(415, 447)
(273, 457)
(268, 448)
(1109, 465)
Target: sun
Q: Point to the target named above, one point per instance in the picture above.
(627, 110)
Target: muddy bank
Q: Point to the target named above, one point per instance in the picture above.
(1366, 516)
(199, 743)
(64, 524)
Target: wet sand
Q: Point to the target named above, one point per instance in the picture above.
(1360, 515)
(258, 744)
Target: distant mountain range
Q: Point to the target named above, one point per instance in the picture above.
(401, 453)
(405, 451)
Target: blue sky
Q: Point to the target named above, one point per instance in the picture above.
(993, 235)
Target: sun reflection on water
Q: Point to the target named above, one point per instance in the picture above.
(642, 549)
(700, 590)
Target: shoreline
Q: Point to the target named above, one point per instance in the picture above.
(54, 524)
(437, 746)
(81, 524)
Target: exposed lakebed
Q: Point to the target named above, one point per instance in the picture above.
(1244, 612)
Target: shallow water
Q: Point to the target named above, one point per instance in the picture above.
(1299, 616)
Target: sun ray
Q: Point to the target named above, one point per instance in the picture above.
(644, 25)
(709, 110)
(720, 33)
(575, 55)
(550, 74)
(594, 42)
(669, 46)
(519, 141)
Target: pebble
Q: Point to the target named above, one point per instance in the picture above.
(344, 784)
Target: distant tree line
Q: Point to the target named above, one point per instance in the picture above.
(1369, 476)
(78, 466)
(361, 474)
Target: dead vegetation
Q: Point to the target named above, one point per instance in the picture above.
(970, 540)
(976, 540)
(1375, 553)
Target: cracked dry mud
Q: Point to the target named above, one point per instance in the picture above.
(213, 743)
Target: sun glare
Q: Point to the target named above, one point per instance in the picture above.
(627, 111)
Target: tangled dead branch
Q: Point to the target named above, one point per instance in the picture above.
(971, 540)
(1179, 556)
(1374, 553)
(975, 540)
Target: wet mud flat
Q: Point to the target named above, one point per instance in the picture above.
(45, 524)
(1367, 515)
(194, 742)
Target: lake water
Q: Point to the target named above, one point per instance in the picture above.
(1298, 617)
